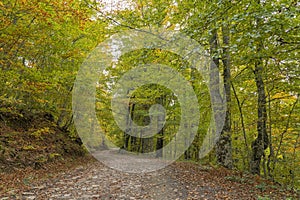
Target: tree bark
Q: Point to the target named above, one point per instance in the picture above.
(126, 135)
(160, 139)
(262, 141)
(223, 146)
(146, 144)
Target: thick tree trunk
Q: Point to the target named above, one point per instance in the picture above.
(223, 146)
(262, 141)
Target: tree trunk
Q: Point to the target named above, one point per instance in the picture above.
(240, 104)
(262, 141)
(160, 139)
(128, 121)
(223, 146)
(146, 144)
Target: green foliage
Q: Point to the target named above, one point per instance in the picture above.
(145, 96)
(261, 186)
(278, 32)
(42, 46)
(43, 43)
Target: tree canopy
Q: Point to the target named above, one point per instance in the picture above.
(254, 45)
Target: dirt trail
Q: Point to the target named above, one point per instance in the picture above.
(97, 181)
(178, 181)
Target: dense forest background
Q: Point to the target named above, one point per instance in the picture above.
(254, 44)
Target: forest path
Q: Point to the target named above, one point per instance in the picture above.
(179, 180)
(97, 181)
